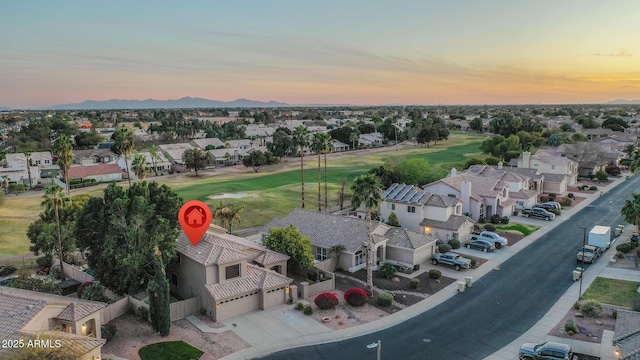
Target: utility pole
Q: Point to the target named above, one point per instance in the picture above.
(584, 243)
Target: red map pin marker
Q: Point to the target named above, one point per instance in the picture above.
(195, 217)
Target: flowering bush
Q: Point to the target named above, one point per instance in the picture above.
(356, 297)
(326, 300)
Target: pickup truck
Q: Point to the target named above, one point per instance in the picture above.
(591, 253)
(453, 259)
(491, 237)
(539, 213)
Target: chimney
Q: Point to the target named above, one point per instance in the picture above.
(499, 165)
(526, 159)
(465, 196)
(454, 172)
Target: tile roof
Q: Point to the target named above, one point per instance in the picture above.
(627, 334)
(76, 311)
(270, 257)
(17, 311)
(523, 194)
(203, 143)
(83, 154)
(480, 186)
(554, 177)
(408, 239)
(454, 223)
(256, 279)
(326, 230)
(79, 345)
(212, 249)
(82, 171)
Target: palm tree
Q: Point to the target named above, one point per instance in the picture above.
(153, 152)
(54, 197)
(327, 148)
(139, 167)
(631, 211)
(64, 148)
(301, 140)
(317, 146)
(222, 212)
(336, 249)
(634, 157)
(123, 145)
(234, 216)
(367, 191)
(353, 137)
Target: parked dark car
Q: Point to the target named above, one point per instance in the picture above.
(480, 245)
(549, 205)
(539, 213)
(548, 350)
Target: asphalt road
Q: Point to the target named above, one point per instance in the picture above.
(500, 306)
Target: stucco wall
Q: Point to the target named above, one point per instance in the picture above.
(238, 305)
(191, 278)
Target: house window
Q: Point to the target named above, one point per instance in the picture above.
(458, 209)
(37, 162)
(232, 271)
(391, 206)
(455, 236)
(481, 210)
(47, 162)
(359, 257)
(321, 254)
(411, 209)
(174, 279)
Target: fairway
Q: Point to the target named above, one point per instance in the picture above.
(273, 192)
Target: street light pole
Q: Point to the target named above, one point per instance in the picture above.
(584, 243)
(377, 345)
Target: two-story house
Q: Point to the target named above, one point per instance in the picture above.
(482, 197)
(229, 274)
(94, 156)
(559, 172)
(523, 185)
(425, 212)
(25, 314)
(159, 163)
(27, 168)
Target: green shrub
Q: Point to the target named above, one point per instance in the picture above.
(504, 220)
(81, 288)
(576, 305)
(307, 310)
(326, 301)
(624, 247)
(108, 331)
(94, 292)
(7, 270)
(570, 195)
(544, 199)
(619, 254)
(490, 227)
(553, 195)
(455, 244)
(388, 270)
(591, 308)
(143, 312)
(566, 202)
(474, 262)
(45, 261)
(414, 283)
(614, 313)
(515, 212)
(555, 211)
(356, 297)
(55, 272)
(593, 188)
(444, 248)
(571, 326)
(385, 299)
(299, 306)
(435, 274)
(496, 219)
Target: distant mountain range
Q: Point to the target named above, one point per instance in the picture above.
(185, 102)
(191, 103)
(624, 102)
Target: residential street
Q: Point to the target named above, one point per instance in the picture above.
(498, 308)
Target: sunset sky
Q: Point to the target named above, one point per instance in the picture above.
(356, 52)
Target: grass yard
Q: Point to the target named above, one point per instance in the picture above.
(523, 229)
(16, 213)
(612, 291)
(170, 350)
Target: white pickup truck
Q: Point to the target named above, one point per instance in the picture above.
(491, 237)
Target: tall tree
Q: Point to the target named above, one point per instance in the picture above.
(120, 231)
(631, 211)
(368, 193)
(159, 298)
(317, 145)
(54, 197)
(64, 150)
(197, 159)
(290, 241)
(155, 157)
(301, 141)
(123, 145)
(353, 137)
(327, 147)
(139, 166)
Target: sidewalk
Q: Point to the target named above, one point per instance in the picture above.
(295, 330)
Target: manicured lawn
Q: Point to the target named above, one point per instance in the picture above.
(523, 229)
(170, 350)
(16, 213)
(612, 291)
